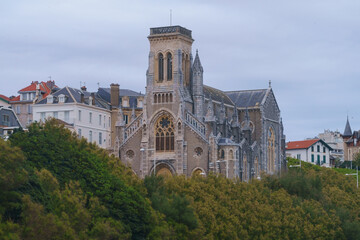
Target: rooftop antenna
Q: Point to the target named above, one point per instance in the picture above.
(269, 83)
(170, 17)
(49, 78)
(98, 85)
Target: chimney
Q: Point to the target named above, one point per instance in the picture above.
(50, 84)
(83, 88)
(82, 98)
(93, 98)
(114, 94)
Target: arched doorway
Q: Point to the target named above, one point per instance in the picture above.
(163, 169)
(198, 172)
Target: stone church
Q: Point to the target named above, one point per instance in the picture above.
(186, 127)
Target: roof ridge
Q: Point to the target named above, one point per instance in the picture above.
(248, 90)
(67, 88)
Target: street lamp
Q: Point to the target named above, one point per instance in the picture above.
(357, 176)
(296, 165)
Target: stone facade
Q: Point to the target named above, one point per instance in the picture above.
(351, 142)
(186, 127)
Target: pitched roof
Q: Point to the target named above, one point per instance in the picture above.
(32, 87)
(73, 95)
(5, 98)
(45, 89)
(247, 98)
(104, 94)
(301, 144)
(305, 144)
(217, 95)
(14, 99)
(347, 131)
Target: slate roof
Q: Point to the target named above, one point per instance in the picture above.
(247, 98)
(104, 93)
(13, 120)
(347, 131)
(217, 95)
(73, 95)
(305, 144)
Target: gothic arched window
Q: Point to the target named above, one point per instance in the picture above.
(169, 66)
(231, 155)
(164, 134)
(271, 150)
(161, 67)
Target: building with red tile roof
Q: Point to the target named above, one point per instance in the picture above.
(314, 151)
(4, 101)
(301, 144)
(36, 91)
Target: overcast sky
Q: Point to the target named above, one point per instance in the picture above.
(310, 50)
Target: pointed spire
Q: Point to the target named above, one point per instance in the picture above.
(347, 131)
(197, 67)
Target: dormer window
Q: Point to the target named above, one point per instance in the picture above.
(125, 103)
(61, 98)
(140, 104)
(50, 99)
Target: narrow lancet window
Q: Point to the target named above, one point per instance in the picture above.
(169, 67)
(161, 67)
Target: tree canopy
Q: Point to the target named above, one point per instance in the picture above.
(56, 186)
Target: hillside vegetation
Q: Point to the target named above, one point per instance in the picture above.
(56, 186)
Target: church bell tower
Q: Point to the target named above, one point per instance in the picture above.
(167, 97)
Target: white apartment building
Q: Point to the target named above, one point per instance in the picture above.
(89, 115)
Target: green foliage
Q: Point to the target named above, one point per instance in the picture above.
(12, 176)
(55, 186)
(176, 208)
(69, 159)
(297, 182)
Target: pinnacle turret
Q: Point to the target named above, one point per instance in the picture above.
(197, 67)
(347, 131)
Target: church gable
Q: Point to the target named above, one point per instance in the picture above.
(270, 106)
